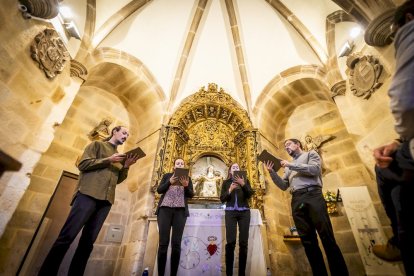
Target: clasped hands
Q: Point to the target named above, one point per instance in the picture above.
(237, 182)
(383, 154)
(184, 181)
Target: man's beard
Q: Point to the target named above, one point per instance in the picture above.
(120, 141)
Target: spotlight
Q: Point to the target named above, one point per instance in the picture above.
(346, 48)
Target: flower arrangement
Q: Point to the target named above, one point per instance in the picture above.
(329, 196)
(331, 199)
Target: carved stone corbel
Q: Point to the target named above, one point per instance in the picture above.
(77, 70)
(378, 33)
(46, 9)
(338, 89)
(365, 74)
(49, 52)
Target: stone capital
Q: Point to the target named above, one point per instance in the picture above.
(338, 89)
(78, 70)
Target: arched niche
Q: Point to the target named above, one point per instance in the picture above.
(210, 123)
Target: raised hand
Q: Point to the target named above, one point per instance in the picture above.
(269, 165)
(184, 181)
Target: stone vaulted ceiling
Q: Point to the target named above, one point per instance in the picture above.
(242, 45)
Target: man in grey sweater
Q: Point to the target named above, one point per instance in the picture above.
(303, 176)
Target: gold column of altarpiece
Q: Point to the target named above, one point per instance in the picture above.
(210, 123)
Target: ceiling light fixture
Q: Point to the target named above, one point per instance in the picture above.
(356, 31)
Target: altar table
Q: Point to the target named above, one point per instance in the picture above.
(203, 245)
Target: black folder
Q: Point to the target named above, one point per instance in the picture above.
(267, 156)
(241, 174)
(179, 172)
(138, 151)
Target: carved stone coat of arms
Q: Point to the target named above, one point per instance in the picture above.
(365, 75)
(49, 52)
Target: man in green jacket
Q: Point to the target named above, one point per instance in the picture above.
(101, 168)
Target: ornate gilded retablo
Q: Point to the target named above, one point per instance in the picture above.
(49, 52)
(364, 73)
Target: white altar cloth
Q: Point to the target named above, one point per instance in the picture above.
(203, 245)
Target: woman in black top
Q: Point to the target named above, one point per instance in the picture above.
(172, 212)
(235, 192)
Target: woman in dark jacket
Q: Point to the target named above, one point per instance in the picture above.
(172, 212)
(235, 192)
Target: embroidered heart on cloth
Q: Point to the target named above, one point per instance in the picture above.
(212, 248)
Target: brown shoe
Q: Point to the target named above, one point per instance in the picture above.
(387, 252)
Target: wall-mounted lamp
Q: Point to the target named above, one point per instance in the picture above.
(72, 30)
(61, 19)
(349, 45)
(346, 48)
(66, 19)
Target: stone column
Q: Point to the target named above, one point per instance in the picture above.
(151, 247)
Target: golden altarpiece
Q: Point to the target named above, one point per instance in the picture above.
(210, 123)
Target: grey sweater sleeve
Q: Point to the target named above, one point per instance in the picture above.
(282, 183)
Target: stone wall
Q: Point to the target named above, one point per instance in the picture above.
(277, 214)
(110, 92)
(370, 124)
(130, 260)
(70, 140)
(30, 103)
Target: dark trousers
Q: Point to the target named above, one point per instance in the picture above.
(396, 188)
(168, 218)
(232, 218)
(88, 213)
(310, 215)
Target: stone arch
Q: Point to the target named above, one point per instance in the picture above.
(136, 93)
(285, 100)
(283, 79)
(110, 55)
